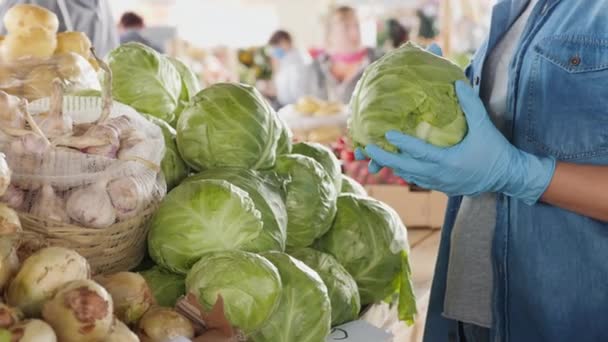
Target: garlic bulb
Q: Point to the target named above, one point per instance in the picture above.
(122, 124)
(26, 153)
(13, 197)
(134, 145)
(54, 123)
(91, 206)
(48, 205)
(128, 196)
(98, 139)
(5, 175)
(10, 113)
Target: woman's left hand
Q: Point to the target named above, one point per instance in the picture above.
(484, 161)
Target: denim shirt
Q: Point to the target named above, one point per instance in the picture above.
(550, 265)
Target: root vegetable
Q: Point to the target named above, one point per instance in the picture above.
(48, 205)
(130, 293)
(42, 274)
(121, 333)
(33, 330)
(161, 324)
(80, 311)
(9, 262)
(35, 43)
(54, 123)
(9, 316)
(9, 221)
(24, 17)
(91, 206)
(71, 41)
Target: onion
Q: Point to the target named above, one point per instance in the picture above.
(160, 324)
(42, 274)
(33, 330)
(80, 311)
(9, 316)
(130, 293)
(121, 333)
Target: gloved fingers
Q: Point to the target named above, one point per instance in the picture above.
(435, 49)
(399, 162)
(470, 103)
(373, 167)
(413, 146)
(359, 155)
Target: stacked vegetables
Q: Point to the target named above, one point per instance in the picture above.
(262, 228)
(33, 54)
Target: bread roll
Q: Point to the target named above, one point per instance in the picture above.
(24, 17)
(76, 42)
(36, 43)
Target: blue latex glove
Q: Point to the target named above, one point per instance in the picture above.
(483, 162)
(359, 155)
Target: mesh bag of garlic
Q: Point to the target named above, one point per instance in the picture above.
(73, 162)
(32, 78)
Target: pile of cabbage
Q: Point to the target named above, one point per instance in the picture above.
(290, 245)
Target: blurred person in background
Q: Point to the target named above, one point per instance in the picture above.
(334, 73)
(398, 34)
(93, 17)
(130, 26)
(288, 67)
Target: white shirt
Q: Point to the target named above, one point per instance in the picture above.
(289, 77)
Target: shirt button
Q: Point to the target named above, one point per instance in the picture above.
(477, 80)
(575, 61)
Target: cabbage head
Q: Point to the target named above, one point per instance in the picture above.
(202, 216)
(265, 191)
(166, 287)
(342, 288)
(369, 240)
(249, 284)
(310, 198)
(228, 125)
(408, 90)
(304, 311)
(190, 84)
(285, 140)
(145, 80)
(173, 167)
(351, 186)
(325, 157)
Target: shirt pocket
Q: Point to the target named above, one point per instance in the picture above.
(566, 104)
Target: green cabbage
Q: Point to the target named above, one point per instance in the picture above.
(145, 80)
(369, 240)
(342, 288)
(325, 157)
(249, 284)
(311, 198)
(166, 287)
(190, 84)
(304, 311)
(284, 145)
(202, 216)
(351, 186)
(408, 90)
(173, 167)
(228, 125)
(265, 190)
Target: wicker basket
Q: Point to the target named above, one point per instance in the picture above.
(119, 247)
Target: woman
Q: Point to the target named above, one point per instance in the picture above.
(288, 67)
(525, 241)
(334, 74)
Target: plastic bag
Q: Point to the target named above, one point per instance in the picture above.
(32, 78)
